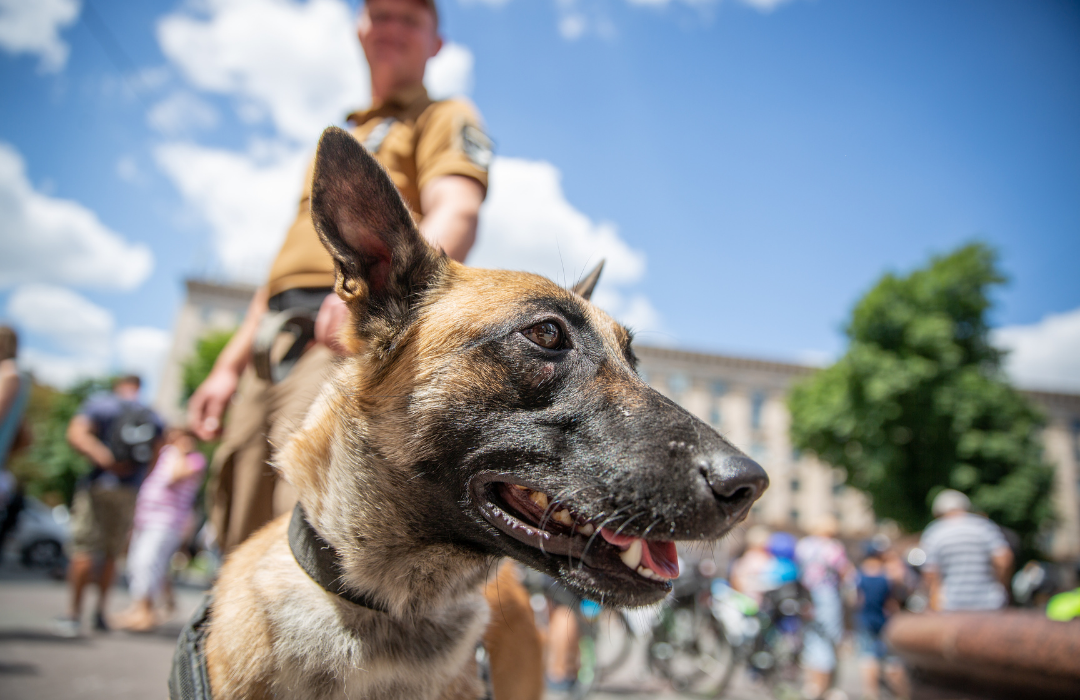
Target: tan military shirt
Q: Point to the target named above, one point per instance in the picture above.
(416, 140)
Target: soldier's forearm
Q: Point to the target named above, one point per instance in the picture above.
(237, 352)
(451, 207)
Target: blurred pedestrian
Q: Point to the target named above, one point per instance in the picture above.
(823, 567)
(163, 512)
(120, 437)
(14, 395)
(749, 572)
(879, 598)
(967, 557)
(783, 569)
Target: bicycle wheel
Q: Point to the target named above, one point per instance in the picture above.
(690, 650)
(779, 656)
(604, 643)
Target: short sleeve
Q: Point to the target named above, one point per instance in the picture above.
(196, 461)
(99, 409)
(452, 141)
(929, 546)
(995, 538)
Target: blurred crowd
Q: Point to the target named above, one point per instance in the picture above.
(137, 499)
(961, 561)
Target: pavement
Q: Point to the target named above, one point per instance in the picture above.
(37, 665)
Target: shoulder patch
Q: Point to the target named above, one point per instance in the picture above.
(477, 146)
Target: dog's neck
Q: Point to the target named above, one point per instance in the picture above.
(358, 503)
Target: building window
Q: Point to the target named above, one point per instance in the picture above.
(794, 515)
(718, 390)
(757, 402)
(796, 455)
(677, 386)
(758, 453)
(795, 485)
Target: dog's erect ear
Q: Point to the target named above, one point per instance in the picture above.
(379, 254)
(585, 287)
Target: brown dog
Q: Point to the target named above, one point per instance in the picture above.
(480, 414)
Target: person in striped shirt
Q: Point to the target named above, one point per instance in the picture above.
(967, 558)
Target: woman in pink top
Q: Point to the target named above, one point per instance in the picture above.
(162, 513)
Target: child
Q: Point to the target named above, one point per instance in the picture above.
(878, 599)
(162, 512)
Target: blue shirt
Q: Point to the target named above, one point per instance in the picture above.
(875, 592)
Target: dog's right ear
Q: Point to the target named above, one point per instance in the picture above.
(381, 259)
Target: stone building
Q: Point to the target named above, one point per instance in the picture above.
(743, 398)
(208, 306)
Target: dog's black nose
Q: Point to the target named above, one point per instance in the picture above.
(737, 482)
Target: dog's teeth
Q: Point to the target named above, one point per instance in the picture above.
(563, 517)
(649, 573)
(539, 498)
(519, 487)
(587, 529)
(632, 555)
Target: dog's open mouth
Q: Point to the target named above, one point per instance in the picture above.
(532, 517)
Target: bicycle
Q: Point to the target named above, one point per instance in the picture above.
(605, 637)
(689, 646)
(709, 631)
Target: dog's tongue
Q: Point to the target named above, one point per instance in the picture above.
(658, 556)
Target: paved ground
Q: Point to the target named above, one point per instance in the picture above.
(36, 665)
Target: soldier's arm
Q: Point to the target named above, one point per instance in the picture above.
(207, 405)
(451, 206)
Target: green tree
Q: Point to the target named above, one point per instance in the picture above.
(919, 402)
(50, 467)
(198, 366)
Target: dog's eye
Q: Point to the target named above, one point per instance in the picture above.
(546, 335)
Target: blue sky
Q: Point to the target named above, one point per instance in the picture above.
(748, 167)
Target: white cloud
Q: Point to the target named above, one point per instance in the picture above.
(47, 238)
(33, 27)
(527, 224)
(248, 199)
(572, 26)
(450, 73)
(300, 62)
(72, 321)
(84, 337)
(182, 113)
(1044, 355)
(143, 350)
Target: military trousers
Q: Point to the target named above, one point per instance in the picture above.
(245, 491)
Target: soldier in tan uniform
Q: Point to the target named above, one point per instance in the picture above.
(437, 154)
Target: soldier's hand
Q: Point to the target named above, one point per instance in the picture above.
(207, 405)
(328, 323)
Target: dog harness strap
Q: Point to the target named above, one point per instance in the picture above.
(188, 678)
(320, 561)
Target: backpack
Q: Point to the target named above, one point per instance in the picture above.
(132, 434)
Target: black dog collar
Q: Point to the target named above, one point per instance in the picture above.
(319, 561)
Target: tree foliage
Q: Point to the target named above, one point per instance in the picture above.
(919, 403)
(50, 467)
(198, 366)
